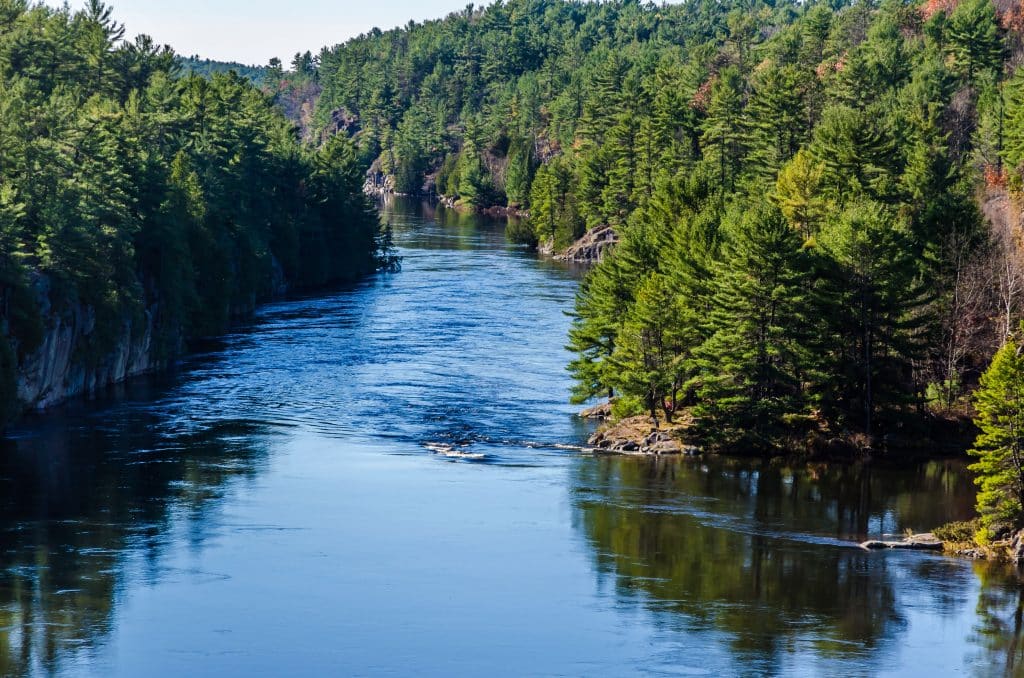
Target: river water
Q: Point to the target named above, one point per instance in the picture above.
(377, 481)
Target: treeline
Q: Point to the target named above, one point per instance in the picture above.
(294, 90)
(126, 189)
(797, 188)
(207, 68)
(803, 257)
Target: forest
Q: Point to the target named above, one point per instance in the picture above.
(209, 67)
(816, 202)
(129, 188)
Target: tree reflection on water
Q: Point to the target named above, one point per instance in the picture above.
(77, 504)
(763, 554)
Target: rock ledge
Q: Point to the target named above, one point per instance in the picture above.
(916, 542)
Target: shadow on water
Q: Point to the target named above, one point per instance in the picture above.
(78, 501)
(764, 554)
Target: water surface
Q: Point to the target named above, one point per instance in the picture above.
(379, 480)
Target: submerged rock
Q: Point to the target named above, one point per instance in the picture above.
(917, 542)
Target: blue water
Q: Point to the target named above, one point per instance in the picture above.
(381, 480)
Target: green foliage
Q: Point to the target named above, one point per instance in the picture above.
(872, 298)
(1000, 446)
(959, 532)
(647, 359)
(974, 39)
(750, 368)
(798, 193)
(207, 68)
(554, 210)
(128, 190)
(519, 176)
(1012, 123)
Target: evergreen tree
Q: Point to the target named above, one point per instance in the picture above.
(858, 152)
(1000, 445)
(874, 315)
(602, 305)
(749, 369)
(647, 358)
(553, 208)
(777, 120)
(974, 39)
(520, 173)
(798, 192)
(725, 139)
(1011, 123)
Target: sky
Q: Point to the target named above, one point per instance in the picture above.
(253, 31)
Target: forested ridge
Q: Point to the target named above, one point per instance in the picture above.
(800, 191)
(209, 67)
(136, 199)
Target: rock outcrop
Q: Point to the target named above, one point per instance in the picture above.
(55, 371)
(591, 247)
(602, 411)
(637, 435)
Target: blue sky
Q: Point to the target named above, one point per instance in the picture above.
(253, 31)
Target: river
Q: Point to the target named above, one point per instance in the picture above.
(378, 480)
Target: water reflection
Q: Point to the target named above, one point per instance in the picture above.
(276, 507)
(78, 501)
(999, 631)
(762, 553)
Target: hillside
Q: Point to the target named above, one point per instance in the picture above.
(140, 209)
(796, 189)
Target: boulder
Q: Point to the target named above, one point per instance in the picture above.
(664, 447)
(602, 411)
(637, 435)
(1017, 548)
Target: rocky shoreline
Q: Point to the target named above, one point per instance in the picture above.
(638, 435)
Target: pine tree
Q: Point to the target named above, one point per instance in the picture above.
(798, 192)
(553, 205)
(749, 369)
(647, 360)
(776, 120)
(1011, 122)
(874, 312)
(603, 303)
(1000, 445)
(725, 139)
(520, 173)
(859, 154)
(974, 39)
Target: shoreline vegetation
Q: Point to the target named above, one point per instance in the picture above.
(640, 435)
(816, 209)
(142, 208)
